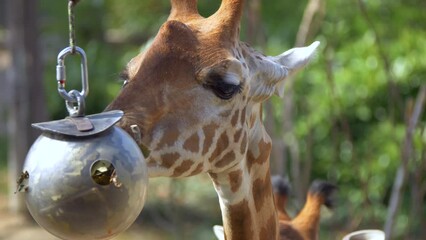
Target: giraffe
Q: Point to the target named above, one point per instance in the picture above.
(196, 95)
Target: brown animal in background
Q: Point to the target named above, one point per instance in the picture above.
(196, 95)
(305, 226)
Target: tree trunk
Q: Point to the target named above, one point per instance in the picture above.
(291, 146)
(24, 80)
(406, 155)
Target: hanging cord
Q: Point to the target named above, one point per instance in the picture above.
(74, 99)
(71, 20)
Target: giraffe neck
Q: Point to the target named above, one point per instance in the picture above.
(245, 192)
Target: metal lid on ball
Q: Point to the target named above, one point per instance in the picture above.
(81, 126)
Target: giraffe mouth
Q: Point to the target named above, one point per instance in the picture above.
(137, 136)
(154, 169)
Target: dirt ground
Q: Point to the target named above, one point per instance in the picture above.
(18, 227)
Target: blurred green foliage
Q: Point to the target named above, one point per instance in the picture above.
(350, 102)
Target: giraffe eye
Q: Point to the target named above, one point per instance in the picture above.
(221, 88)
(225, 90)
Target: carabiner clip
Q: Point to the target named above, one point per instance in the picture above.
(61, 74)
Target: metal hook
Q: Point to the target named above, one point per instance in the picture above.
(61, 74)
(79, 110)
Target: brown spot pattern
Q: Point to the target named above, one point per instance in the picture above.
(221, 145)
(183, 167)
(226, 160)
(168, 138)
(237, 135)
(250, 159)
(269, 231)
(235, 179)
(197, 170)
(213, 176)
(252, 120)
(234, 119)
(240, 221)
(192, 143)
(243, 116)
(262, 192)
(209, 132)
(225, 113)
(169, 159)
(264, 149)
(257, 193)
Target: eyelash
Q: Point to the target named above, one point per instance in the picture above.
(228, 89)
(124, 76)
(223, 90)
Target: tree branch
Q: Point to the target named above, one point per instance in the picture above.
(395, 98)
(291, 147)
(306, 26)
(406, 153)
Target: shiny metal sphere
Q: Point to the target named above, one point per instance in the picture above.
(369, 234)
(91, 187)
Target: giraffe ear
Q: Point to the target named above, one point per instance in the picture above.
(294, 60)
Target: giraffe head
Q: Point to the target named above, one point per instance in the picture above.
(195, 93)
